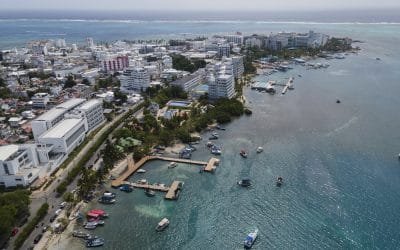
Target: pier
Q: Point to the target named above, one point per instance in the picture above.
(173, 192)
(289, 85)
(210, 166)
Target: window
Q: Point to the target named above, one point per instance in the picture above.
(29, 175)
(75, 135)
(18, 179)
(6, 169)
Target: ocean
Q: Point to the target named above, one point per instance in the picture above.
(339, 162)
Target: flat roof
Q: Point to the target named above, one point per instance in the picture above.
(61, 129)
(71, 103)
(7, 151)
(51, 114)
(89, 104)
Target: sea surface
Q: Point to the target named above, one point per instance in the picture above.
(338, 161)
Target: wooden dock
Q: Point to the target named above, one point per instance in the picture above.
(173, 192)
(210, 166)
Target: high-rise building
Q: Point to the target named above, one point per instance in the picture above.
(113, 64)
(89, 42)
(134, 80)
(224, 50)
(60, 43)
(222, 86)
(93, 111)
(236, 39)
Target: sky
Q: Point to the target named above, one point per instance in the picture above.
(201, 5)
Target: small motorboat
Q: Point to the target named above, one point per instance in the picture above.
(109, 195)
(164, 223)
(260, 149)
(378, 59)
(106, 200)
(220, 128)
(150, 193)
(338, 101)
(215, 150)
(279, 181)
(210, 144)
(250, 239)
(243, 154)
(126, 188)
(80, 234)
(173, 165)
(97, 242)
(141, 181)
(90, 226)
(245, 182)
(141, 171)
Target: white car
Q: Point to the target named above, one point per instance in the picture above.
(58, 211)
(62, 204)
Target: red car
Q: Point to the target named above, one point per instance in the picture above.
(14, 231)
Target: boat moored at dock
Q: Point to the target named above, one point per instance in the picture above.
(172, 165)
(141, 171)
(150, 193)
(97, 242)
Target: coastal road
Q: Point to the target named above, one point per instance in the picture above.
(50, 195)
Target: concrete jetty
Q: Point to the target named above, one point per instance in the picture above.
(174, 190)
(210, 166)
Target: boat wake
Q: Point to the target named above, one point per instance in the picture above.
(344, 126)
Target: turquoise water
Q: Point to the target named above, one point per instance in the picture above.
(339, 163)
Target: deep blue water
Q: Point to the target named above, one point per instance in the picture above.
(339, 161)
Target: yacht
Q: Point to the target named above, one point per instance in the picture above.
(90, 226)
(162, 225)
(210, 144)
(245, 182)
(243, 154)
(97, 242)
(106, 200)
(215, 150)
(250, 239)
(141, 171)
(173, 165)
(260, 149)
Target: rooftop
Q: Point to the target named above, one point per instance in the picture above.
(90, 104)
(71, 103)
(61, 129)
(7, 151)
(51, 114)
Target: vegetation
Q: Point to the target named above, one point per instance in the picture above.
(41, 213)
(14, 207)
(338, 45)
(166, 94)
(70, 82)
(110, 81)
(4, 91)
(40, 74)
(180, 62)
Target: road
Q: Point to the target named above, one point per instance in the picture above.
(49, 195)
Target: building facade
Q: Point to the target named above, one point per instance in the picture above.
(135, 80)
(93, 111)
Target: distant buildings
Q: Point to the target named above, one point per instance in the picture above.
(222, 86)
(224, 50)
(40, 100)
(134, 80)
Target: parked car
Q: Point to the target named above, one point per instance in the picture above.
(14, 231)
(53, 218)
(37, 238)
(58, 211)
(62, 204)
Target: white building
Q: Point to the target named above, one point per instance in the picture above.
(49, 119)
(93, 110)
(189, 82)
(224, 50)
(253, 42)
(134, 80)
(223, 86)
(40, 100)
(60, 43)
(237, 65)
(65, 136)
(19, 165)
(236, 39)
(89, 42)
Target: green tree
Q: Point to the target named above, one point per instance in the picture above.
(70, 82)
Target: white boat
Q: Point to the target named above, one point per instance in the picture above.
(260, 149)
(250, 239)
(172, 165)
(141, 171)
(142, 181)
(97, 242)
(162, 225)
